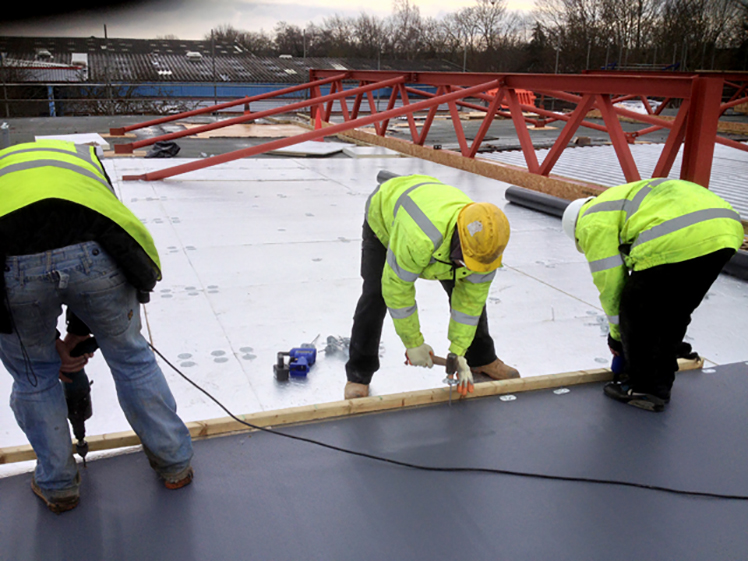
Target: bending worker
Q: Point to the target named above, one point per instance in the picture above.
(66, 239)
(417, 227)
(654, 248)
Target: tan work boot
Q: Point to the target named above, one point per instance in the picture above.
(497, 370)
(354, 390)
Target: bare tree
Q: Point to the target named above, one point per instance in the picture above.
(369, 35)
(225, 33)
(405, 28)
(289, 39)
(337, 36)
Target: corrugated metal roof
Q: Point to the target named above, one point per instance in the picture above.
(599, 165)
(143, 60)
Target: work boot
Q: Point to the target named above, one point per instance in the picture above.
(58, 501)
(496, 370)
(182, 479)
(354, 390)
(622, 392)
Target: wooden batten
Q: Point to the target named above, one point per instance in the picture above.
(346, 408)
(557, 186)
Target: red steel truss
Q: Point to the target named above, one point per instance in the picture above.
(694, 127)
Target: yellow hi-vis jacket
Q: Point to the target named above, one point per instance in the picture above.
(415, 217)
(56, 169)
(647, 223)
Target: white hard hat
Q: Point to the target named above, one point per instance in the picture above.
(569, 219)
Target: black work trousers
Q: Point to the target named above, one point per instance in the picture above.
(656, 308)
(371, 310)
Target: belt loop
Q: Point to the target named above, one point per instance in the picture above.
(87, 260)
(16, 265)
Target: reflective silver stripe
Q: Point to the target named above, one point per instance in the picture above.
(606, 206)
(684, 221)
(368, 201)
(406, 194)
(465, 319)
(613, 320)
(418, 216)
(23, 166)
(633, 205)
(401, 273)
(625, 205)
(477, 278)
(81, 151)
(607, 263)
(402, 313)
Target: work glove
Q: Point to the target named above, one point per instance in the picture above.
(420, 356)
(464, 377)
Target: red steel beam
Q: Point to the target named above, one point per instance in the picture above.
(488, 119)
(315, 101)
(701, 130)
(673, 142)
(694, 126)
(283, 142)
(122, 130)
(618, 138)
(566, 134)
(660, 86)
(525, 142)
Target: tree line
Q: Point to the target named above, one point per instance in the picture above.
(557, 36)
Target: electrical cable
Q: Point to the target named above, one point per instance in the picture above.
(495, 471)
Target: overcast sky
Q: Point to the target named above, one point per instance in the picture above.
(192, 19)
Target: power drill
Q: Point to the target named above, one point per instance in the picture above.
(300, 360)
(78, 397)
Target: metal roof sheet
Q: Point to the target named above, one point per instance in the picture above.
(599, 165)
(145, 60)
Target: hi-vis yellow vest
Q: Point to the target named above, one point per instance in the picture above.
(415, 217)
(56, 169)
(648, 223)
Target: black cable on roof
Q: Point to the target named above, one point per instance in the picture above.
(494, 471)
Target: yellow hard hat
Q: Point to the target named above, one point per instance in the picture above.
(484, 232)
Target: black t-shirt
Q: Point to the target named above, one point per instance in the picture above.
(54, 223)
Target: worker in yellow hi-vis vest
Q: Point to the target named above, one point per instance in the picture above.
(418, 227)
(654, 248)
(65, 239)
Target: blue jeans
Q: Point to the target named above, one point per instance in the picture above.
(90, 283)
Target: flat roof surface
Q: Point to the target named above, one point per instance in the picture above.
(262, 255)
(261, 496)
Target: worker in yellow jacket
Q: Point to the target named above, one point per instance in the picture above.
(65, 239)
(654, 248)
(418, 227)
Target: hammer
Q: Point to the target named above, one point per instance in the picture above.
(450, 364)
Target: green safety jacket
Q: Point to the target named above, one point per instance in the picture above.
(56, 169)
(415, 218)
(647, 223)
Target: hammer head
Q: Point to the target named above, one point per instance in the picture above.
(451, 366)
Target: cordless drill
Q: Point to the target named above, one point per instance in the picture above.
(78, 397)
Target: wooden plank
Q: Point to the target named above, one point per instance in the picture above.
(345, 408)
(557, 186)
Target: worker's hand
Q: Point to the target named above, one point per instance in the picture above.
(420, 356)
(69, 363)
(464, 377)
